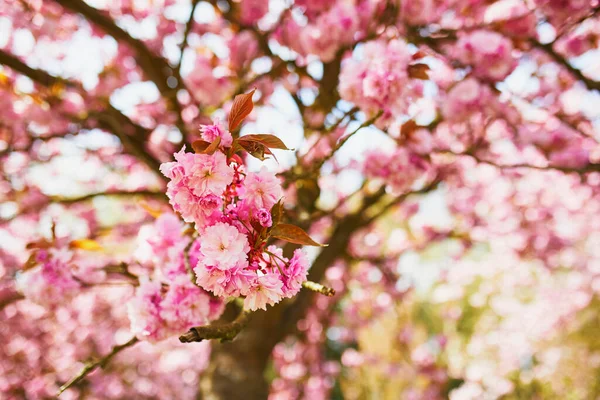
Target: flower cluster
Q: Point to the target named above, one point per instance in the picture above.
(158, 310)
(325, 35)
(232, 211)
(489, 53)
(167, 302)
(51, 279)
(379, 79)
(399, 169)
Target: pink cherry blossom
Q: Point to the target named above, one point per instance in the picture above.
(261, 189)
(267, 289)
(224, 246)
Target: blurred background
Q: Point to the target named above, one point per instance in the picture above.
(447, 150)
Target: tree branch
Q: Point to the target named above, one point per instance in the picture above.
(112, 120)
(225, 332)
(156, 68)
(584, 170)
(559, 59)
(120, 193)
(89, 367)
(36, 75)
(318, 288)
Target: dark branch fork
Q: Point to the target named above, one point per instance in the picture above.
(166, 78)
(132, 136)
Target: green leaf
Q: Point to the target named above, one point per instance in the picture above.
(293, 234)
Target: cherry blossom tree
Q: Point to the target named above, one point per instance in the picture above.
(299, 199)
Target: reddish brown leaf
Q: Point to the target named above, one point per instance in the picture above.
(200, 146)
(271, 141)
(242, 106)
(255, 149)
(293, 234)
(418, 55)
(31, 262)
(203, 147)
(40, 244)
(408, 127)
(277, 212)
(418, 71)
(213, 146)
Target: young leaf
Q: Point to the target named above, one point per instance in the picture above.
(85, 244)
(255, 149)
(271, 141)
(213, 146)
(293, 234)
(408, 127)
(200, 146)
(418, 71)
(277, 212)
(242, 106)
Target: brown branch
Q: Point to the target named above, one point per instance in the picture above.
(318, 288)
(90, 196)
(91, 366)
(433, 185)
(156, 68)
(548, 49)
(584, 170)
(343, 140)
(110, 119)
(188, 28)
(36, 75)
(9, 299)
(224, 332)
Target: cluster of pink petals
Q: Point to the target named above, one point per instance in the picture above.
(488, 53)
(231, 209)
(253, 10)
(197, 184)
(158, 311)
(398, 169)
(379, 79)
(51, 281)
(209, 85)
(465, 98)
(325, 34)
(167, 302)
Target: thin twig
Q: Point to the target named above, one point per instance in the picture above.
(91, 366)
(317, 287)
(90, 196)
(188, 29)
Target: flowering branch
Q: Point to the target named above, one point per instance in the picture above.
(224, 332)
(91, 366)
